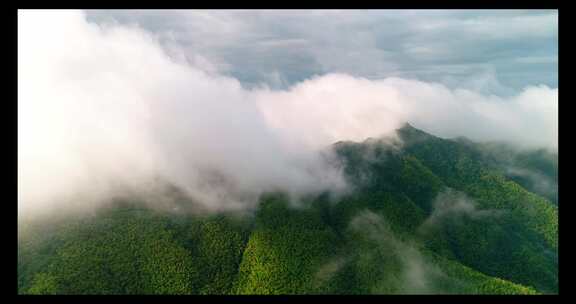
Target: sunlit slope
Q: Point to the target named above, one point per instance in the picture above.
(286, 255)
(524, 227)
(131, 251)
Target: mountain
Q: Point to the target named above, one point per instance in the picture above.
(425, 215)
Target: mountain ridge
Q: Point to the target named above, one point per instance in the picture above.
(432, 213)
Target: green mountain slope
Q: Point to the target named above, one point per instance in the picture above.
(427, 215)
(524, 233)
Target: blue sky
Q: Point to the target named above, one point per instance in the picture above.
(492, 51)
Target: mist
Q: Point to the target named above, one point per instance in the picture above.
(105, 111)
(456, 206)
(416, 274)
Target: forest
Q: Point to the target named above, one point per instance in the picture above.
(428, 216)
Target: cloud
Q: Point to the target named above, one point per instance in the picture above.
(342, 107)
(327, 271)
(428, 45)
(105, 109)
(454, 206)
(536, 181)
(416, 274)
(101, 109)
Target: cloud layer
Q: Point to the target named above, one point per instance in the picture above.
(492, 51)
(104, 109)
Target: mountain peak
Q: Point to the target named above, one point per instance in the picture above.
(407, 125)
(410, 134)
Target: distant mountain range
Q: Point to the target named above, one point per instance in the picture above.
(426, 216)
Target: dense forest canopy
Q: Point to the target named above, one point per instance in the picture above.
(427, 216)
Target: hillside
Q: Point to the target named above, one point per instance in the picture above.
(426, 215)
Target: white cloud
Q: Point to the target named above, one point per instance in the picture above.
(105, 108)
(415, 274)
(102, 108)
(451, 205)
